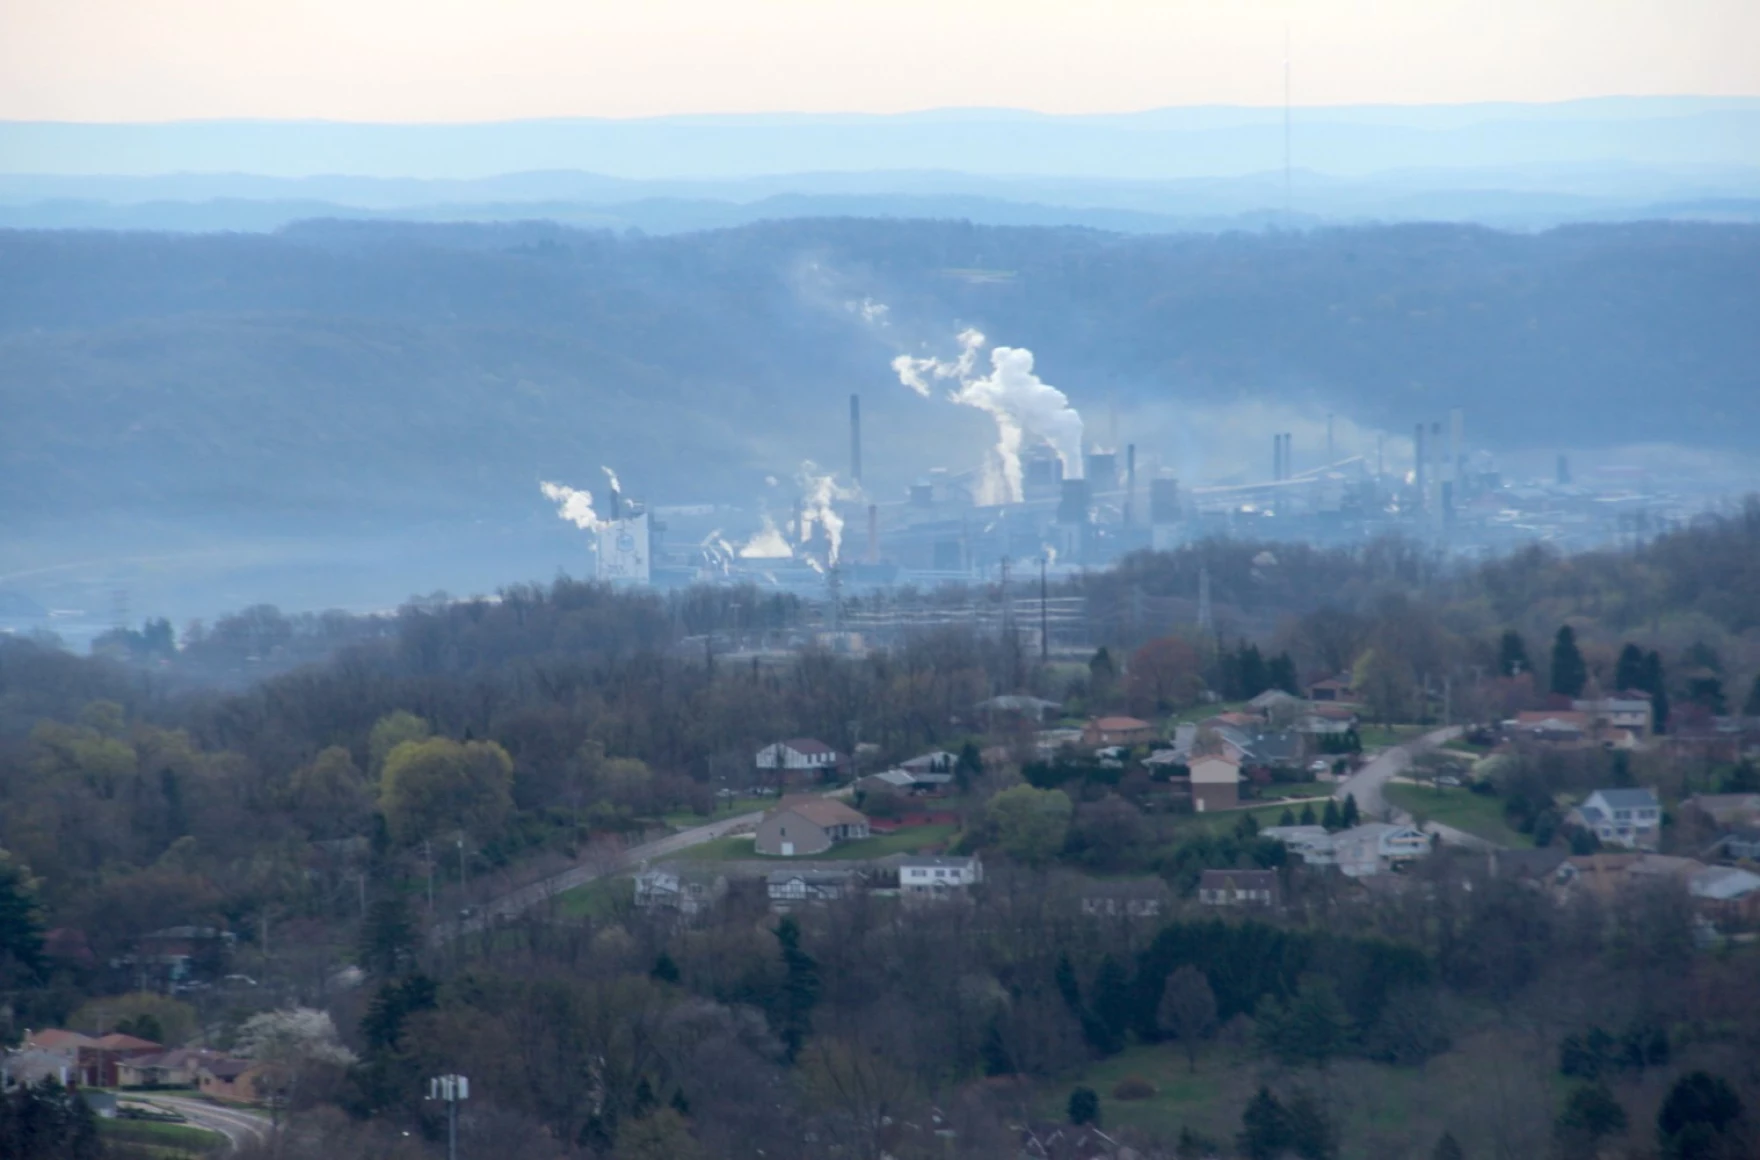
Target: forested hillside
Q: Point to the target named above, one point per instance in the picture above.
(337, 374)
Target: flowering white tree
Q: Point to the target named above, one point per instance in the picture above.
(293, 1043)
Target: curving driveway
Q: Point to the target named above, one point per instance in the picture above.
(1368, 782)
(238, 1126)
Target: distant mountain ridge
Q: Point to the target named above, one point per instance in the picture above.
(1158, 144)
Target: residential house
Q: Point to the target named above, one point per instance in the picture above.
(1608, 877)
(1740, 845)
(1376, 847)
(1332, 689)
(922, 876)
(90, 1062)
(790, 888)
(1728, 895)
(805, 825)
(1549, 726)
(1312, 844)
(1725, 810)
(682, 889)
(799, 761)
(1620, 817)
(1117, 731)
(1627, 712)
(232, 1081)
(175, 1068)
(29, 1066)
(1254, 888)
(940, 762)
(1216, 781)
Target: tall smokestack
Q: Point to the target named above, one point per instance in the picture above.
(1276, 458)
(1418, 473)
(873, 533)
(1130, 483)
(855, 438)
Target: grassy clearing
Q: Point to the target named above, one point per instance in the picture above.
(1384, 1111)
(1269, 814)
(1457, 807)
(687, 819)
(599, 898)
(167, 1140)
(906, 841)
(1383, 736)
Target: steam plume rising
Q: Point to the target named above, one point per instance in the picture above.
(767, 544)
(573, 505)
(1016, 398)
(818, 499)
(611, 479)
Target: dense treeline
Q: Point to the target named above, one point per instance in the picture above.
(447, 750)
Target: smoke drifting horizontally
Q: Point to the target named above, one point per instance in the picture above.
(1014, 396)
(574, 505)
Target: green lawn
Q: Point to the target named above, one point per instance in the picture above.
(1384, 1111)
(1269, 814)
(167, 1140)
(599, 898)
(1457, 807)
(686, 819)
(904, 841)
(1382, 736)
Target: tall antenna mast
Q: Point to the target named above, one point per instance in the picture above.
(1288, 195)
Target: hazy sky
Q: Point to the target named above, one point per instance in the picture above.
(470, 60)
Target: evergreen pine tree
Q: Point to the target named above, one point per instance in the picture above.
(1569, 672)
(1084, 1106)
(1512, 654)
(21, 923)
(1287, 817)
(665, 969)
(800, 987)
(1656, 684)
(1265, 1128)
(1751, 707)
(1629, 672)
(1281, 674)
(1349, 816)
(1308, 814)
(1330, 817)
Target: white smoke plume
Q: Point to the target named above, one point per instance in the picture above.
(1018, 400)
(611, 478)
(911, 371)
(767, 544)
(819, 496)
(574, 505)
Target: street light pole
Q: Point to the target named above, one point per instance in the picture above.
(452, 1089)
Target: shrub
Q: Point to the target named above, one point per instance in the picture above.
(1133, 1087)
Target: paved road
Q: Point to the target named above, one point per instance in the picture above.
(592, 868)
(1368, 782)
(238, 1127)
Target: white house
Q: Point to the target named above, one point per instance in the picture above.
(1621, 817)
(1216, 782)
(686, 890)
(1623, 711)
(1311, 843)
(937, 876)
(795, 887)
(1374, 847)
(799, 759)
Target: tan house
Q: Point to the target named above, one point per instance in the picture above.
(175, 1068)
(1216, 782)
(234, 1081)
(808, 825)
(1117, 731)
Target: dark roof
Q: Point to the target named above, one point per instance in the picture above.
(227, 1069)
(1527, 863)
(1629, 799)
(808, 745)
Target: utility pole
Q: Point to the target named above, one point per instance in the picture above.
(452, 1089)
